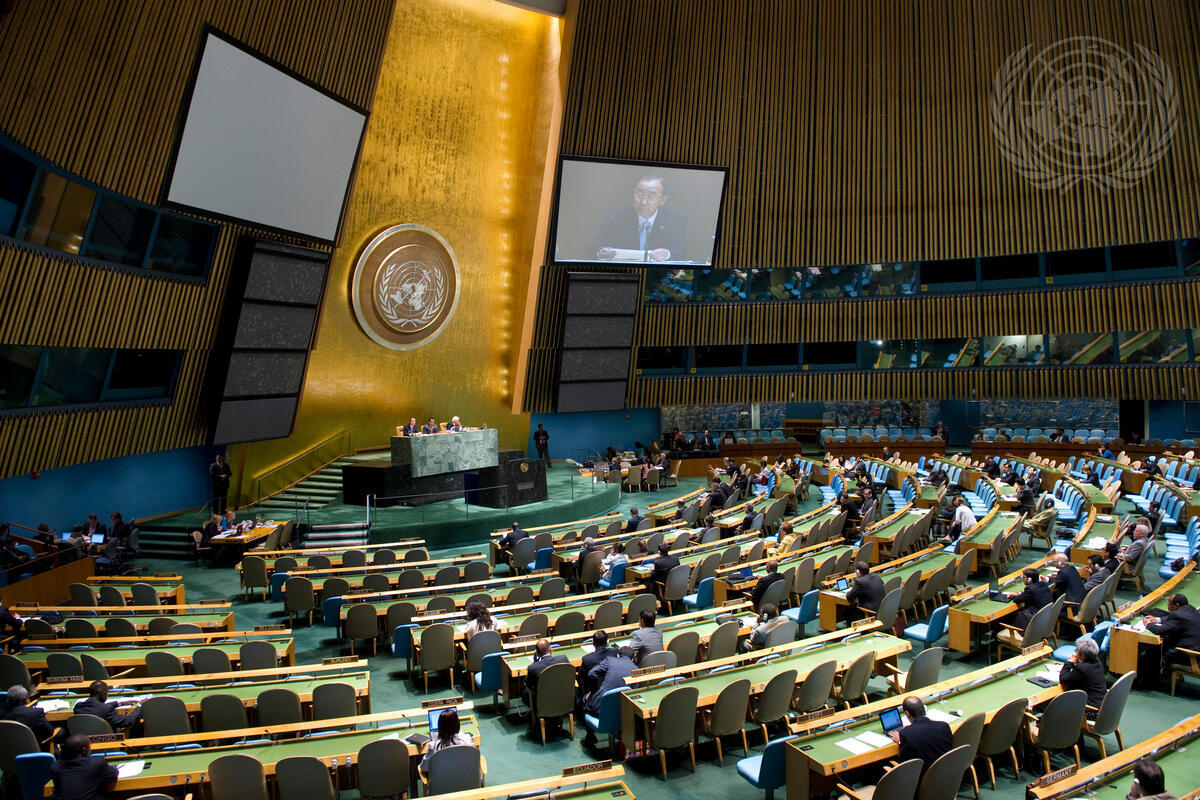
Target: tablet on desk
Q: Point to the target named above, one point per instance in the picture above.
(842, 585)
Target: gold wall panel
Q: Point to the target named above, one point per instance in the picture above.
(95, 88)
(456, 142)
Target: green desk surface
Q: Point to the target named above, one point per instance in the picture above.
(929, 491)
(889, 530)
(519, 661)
(983, 605)
(1181, 768)
(1095, 495)
(986, 697)
(302, 686)
(37, 658)
(992, 528)
(160, 768)
(922, 565)
(649, 697)
(606, 792)
(144, 619)
(498, 594)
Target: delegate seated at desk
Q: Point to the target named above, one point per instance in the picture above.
(645, 231)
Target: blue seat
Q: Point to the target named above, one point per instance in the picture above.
(929, 634)
(608, 721)
(806, 612)
(703, 596)
(766, 771)
(402, 643)
(33, 773)
(490, 677)
(541, 560)
(330, 616)
(615, 578)
(1064, 652)
(277, 581)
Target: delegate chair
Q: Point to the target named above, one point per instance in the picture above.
(33, 773)
(278, 707)
(924, 670)
(1108, 717)
(1059, 726)
(772, 705)
(454, 769)
(165, 716)
(929, 634)
(222, 712)
(378, 776)
(766, 771)
(555, 696)
(303, 778)
(1000, 737)
(898, 783)
(814, 693)
(675, 725)
(334, 701)
(257, 655)
(728, 716)
(298, 598)
(238, 777)
(437, 651)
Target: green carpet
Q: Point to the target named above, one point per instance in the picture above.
(512, 754)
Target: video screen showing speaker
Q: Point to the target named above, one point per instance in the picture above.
(597, 341)
(266, 337)
(260, 144)
(632, 212)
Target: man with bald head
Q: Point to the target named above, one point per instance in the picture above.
(923, 737)
(542, 658)
(1067, 581)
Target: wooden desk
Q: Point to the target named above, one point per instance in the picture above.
(1127, 635)
(972, 609)
(214, 679)
(285, 650)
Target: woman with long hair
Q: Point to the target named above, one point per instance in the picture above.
(478, 619)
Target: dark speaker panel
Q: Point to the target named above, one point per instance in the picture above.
(597, 340)
(593, 331)
(591, 396)
(591, 365)
(252, 420)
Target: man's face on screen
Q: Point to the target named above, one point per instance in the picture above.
(648, 196)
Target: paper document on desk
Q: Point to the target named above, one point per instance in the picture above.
(53, 705)
(389, 736)
(873, 739)
(940, 716)
(855, 746)
(130, 769)
(1096, 543)
(587, 648)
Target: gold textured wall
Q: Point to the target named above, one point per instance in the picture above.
(456, 142)
(95, 88)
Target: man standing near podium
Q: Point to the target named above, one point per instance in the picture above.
(646, 232)
(220, 474)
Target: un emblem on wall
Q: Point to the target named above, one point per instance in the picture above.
(405, 286)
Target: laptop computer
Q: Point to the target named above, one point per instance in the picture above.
(891, 719)
(64, 536)
(97, 538)
(434, 713)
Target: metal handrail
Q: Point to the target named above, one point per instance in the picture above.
(263, 477)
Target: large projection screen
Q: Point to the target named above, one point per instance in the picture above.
(261, 146)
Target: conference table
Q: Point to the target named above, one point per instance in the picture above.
(285, 651)
(885, 531)
(59, 707)
(209, 622)
(829, 749)
(1097, 531)
(830, 602)
(640, 704)
(169, 594)
(230, 546)
(1110, 777)
(972, 610)
(1128, 634)
(739, 580)
(185, 768)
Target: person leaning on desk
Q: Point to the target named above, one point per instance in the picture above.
(923, 737)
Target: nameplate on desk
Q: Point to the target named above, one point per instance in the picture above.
(637, 673)
(165, 575)
(630, 585)
(441, 702)
(469, 555)
(65, 679)
(1057, 775)
(584, 769)
(274, 628)
(25, 604)
(1033, 648)
(824, 712)
(545, 571)
(43, 636)
(106, 737)
(735, 602)
(522, 639)
(211, 602)
(339, 659)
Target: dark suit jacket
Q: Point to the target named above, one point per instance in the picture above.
(662, 566)
(1093, 478)
(512, 537)
(82, 778)
(220, 474)
(1036, 595)
(1068, 582)
(867, 591)
(430, 429)
(706, 443)
(992, 469)
(536, 668)
(107, 712)
(633, 523)
(409, 430)
(590, 662)
(760, 588)
(620, 230)
(925, 739)
(608, 674)
(32, 717)
(1088, 676)
(1179, 629)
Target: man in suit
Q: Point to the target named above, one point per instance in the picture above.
(764, 583)
(635, 519)
(600, 652)
(589, 547)
(647, 638)
(705, 442)
(541, 442)
(219, 474)
(1131, 552)
(31, 717)
(1034, 483)
(1067, 581)
(1151, 468)
(719, 493)
(121, 531)
(96, 704)
(542, 659)
(1099, 573)
(992, 468)
(652, 231)
(430, 426)
(455, 424)
(1024, 497)
(1179, 628)
(1033, 599)
(78, 775)
(608, 674)
(942, 431)
(867, 591)
(411, 428)
(510, 539)
(680, 510)
(923, 738)
(768, 620)
(663, 565)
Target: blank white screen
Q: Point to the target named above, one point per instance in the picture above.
(261, 146)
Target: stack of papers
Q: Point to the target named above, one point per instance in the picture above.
(864, 742)
(1096, 543)
(130, 769)
(940, 716)
(855, 746)
(53, 705)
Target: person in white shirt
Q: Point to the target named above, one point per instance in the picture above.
(478, 619)
(964, 520)
(616, 555)
(449, 734)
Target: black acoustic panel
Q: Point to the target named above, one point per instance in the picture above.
(591, 396)
(609, 294)
(269, 327)
(608, 332)
(592, 365)
(254, 420)
(284, 275)
(258, 373)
